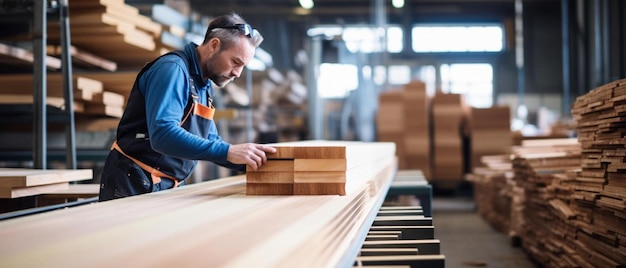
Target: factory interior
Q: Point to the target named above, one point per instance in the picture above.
(379, 133)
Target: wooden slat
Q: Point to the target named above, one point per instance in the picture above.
(84, 58)
(14, 177)
(19, 56)
(30, 191)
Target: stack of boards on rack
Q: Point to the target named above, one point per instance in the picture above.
(319, 167)
(18, 182)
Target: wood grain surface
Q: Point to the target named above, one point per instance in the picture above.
(208, 224)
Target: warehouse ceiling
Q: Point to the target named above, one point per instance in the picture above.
(348, 10)
(283, 8)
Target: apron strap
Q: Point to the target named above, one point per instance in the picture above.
(154, 173)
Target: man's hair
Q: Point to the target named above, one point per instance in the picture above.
(228, 37)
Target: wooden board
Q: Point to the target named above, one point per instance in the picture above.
(16, 192)
(74, 191)
(22, 57)
(14, 177)
(246, 231)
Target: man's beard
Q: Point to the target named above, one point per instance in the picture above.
(218, 79)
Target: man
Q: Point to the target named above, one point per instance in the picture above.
(167, 125)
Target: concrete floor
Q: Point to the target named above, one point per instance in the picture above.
(469, 241)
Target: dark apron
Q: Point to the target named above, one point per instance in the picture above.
(132, 166)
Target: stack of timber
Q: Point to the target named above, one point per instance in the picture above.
(403, 117)
(113, 30)
(601, 123)
(279, 100)
(546, 169)
(490, 132)
(211, 224)
(449, 132)
(90, 96)
(493, 194)
(320, 167)
(17, 182)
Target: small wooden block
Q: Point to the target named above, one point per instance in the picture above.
(320, 164)
(319, 188)
(270, 177)
(274, 166)
(269, 189)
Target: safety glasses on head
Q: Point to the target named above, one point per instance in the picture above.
(244, 29)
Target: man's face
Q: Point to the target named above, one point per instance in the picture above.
(225, 65)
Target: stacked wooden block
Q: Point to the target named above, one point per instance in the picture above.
(90, 96)
(319, 167)
(490, 132)
(16, 183)
(403, 117)
(601, 195)
(449, 117)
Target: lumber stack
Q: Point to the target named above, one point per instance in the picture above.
(15, 183)
(493, 194)
(490, 132)
(601, 123)
(278, 98)
(212, 224)
(546, 170)
(449, 118)
(319, 167)
(90, 96)
(115, 31)
(403, 117)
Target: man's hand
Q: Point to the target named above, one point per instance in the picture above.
(251, 154)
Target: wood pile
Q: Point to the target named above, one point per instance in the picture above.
(90, 96)
(113, 30)
(490, 132)
(449, 132)
(15, 183)
(493, 195)
(403, 117)
(279, 100)
(546, 169)
(212, 224)
(601, 195)
(319, 167)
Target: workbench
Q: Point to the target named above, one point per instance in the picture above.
(209, 224)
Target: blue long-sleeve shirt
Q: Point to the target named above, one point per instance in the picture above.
(165, 87)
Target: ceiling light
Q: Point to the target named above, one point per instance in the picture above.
(307, 4)
(397, 3)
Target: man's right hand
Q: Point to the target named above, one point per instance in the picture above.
(251, 154)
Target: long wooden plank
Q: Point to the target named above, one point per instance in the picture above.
(16, 55)
(84, 58)
(246, 231)
(14, 177)
(22, 84)
(30, 191)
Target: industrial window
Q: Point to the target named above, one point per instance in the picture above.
(363, 39)
(474, 81)
(328, 84)
(464, 38)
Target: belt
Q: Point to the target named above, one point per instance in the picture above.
(154, 173)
